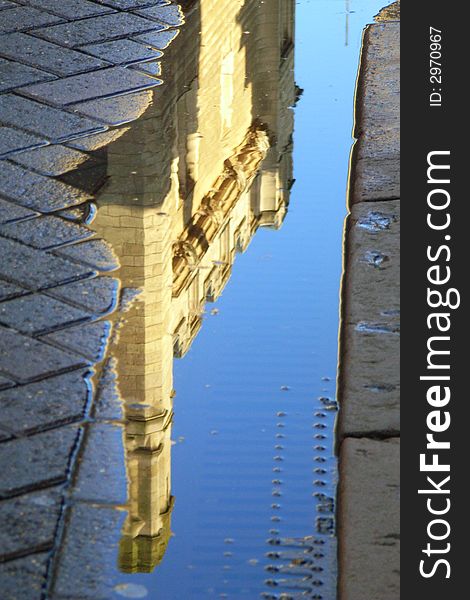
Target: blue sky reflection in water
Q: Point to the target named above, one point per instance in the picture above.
(246, 391)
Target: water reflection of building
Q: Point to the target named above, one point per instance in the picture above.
(208, 163)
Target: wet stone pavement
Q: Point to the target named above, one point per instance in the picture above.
(71, 74)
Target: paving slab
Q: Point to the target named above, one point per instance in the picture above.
(170, 14)
(5, 382)
(69, 9)
(152, 68)
(54, 160)
(13, 140)
(129, 4)
(89, 339)
(14, 75)
(89, 527)
(54, 124)
(46, 56)
(94, 142)
(22, 18)
(98, 296)
(369, 385)
(88, 86)
(10, 290)
(24, 359)
(374, 179)
(46, 232)
(118, 110)
(35, 270)
(23, 578)
(10, 212)
(158, 39)
(84, 213)
(121, 52)
(40, 460)
(97, 253)
(29, 408)
(106, 27)
(369, 520)
(7, 4)
(37, 192)
(102, 476)
(36, 314)
(28, 523)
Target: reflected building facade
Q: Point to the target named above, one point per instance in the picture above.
(189, 184)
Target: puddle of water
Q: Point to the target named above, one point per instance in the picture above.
(230, 446)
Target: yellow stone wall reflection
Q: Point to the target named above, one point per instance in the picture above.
(189, 184)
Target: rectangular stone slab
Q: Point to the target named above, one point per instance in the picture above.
(369, 520)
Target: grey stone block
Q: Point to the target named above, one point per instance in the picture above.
(170, 14)
(23, 578)
(10, 290)
(25, 17)
(10, 212)
(97, 253)
(37, 192)
(96, 574)
(50, 402)
(5, 382)
(24, 359)
(129, 4)
(369, 520)
(369, 389)
(36, 270)
(121, 52)
(14, 75)
(55, 125)
(54, 160)
(152, 68)
(88, 339)
(102, 473)
(37, 461)
(12, 140)
(28, 523)
(46, 232)
(99, 29)
(49, 57)
(69, 9)
(117, 110)
(37, 313)
(158, 39)
(375, 179)
(88, 86)
(98, 296)
(91, 143)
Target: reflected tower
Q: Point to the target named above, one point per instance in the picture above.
(189, 184)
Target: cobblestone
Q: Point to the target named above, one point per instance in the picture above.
(47, 56)
(89, 86)
(55, 125)
(14, 75)
(88, 340)
(106, 27)
(23, 578)
(46, 232)
(121, 52)
(69, 9)
(99, 254)
(98, 296)
(40, 510)
(25, 17)
(38, 461)
(53, 401)
(117, 110)
(37, 192)
(10, 212)
(54, 160)
(37, 313)
(35, 270)
(12, 140)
